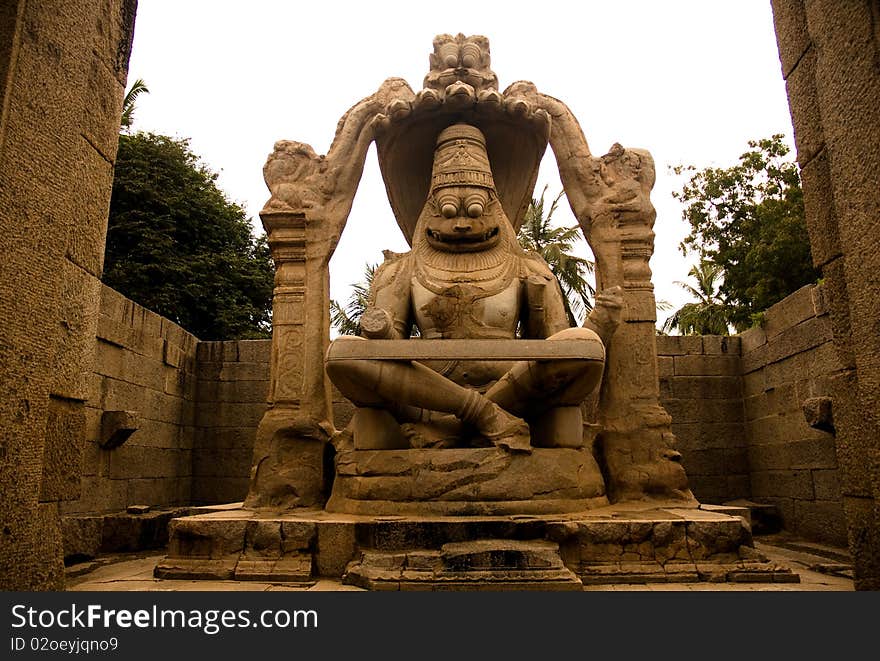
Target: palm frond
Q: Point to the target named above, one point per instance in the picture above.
(137, 88)
(709, 315)
(555, 244)
(347, 319)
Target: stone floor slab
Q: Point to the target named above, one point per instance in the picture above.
(122, 572)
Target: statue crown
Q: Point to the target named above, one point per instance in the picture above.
(461, 159)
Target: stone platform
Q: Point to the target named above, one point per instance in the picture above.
(470, 482)
(617, 544)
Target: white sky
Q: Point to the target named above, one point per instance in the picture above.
(691, 81)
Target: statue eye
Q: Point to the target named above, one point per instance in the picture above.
(448, 205)
(449, 210)
(449, 55)
(475, 205)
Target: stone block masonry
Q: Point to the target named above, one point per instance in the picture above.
(63, 67)
(144, 366)
(737, 410)
(791, 464)
(233, 382)
(828, 51)
(195, 406)
(701, 388)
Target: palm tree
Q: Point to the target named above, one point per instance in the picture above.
(137, 88)
(662, 305)
(554, 244)
(347, 319)
(710, 315)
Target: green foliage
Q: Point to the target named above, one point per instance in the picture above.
(554, 244)
(178, 246)
(709, 315)
(137, 88)
(749, 220)
(347, 320)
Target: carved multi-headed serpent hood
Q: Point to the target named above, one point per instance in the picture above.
(460, 75)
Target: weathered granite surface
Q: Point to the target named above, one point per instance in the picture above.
(634, 544)
(828, 51)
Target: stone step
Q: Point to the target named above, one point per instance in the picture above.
(482, 564)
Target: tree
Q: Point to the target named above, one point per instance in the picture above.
(554, 244)
(347, 320)
(137, 88)
(709, 315)
(178, 246)
(749, 220)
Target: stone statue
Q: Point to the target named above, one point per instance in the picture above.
(467, 278)
(491, 444)
(483, 412)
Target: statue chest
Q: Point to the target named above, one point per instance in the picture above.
(464, 311)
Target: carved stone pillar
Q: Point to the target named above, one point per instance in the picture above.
(304, 218)
(288, 467)
(636, 437)
(635, 377)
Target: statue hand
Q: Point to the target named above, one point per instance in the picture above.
(377, 324)
(607, 313)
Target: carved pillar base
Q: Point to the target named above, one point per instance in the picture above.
(289, 457)
(637, 442)
(640, 460)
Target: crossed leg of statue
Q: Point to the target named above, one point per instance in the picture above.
(406, 387)
(532, 387)
(528, 388)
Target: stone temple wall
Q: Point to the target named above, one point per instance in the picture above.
(196, 407)
(63, 68)
(233, 380)
(737, 410)
(736, 404)
(701, 388)
(828, 54)
(145, 365)
(786, 362)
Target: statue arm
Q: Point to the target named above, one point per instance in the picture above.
(555, 317)
(545, 308)
(387, 316)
